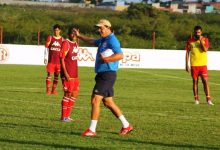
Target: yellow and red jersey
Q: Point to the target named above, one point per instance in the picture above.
(198, 57)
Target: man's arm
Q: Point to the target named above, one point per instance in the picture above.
(89, 40)
(187, 61)
(64, 69)
(203, 44)
(112, 58)
(46, 51)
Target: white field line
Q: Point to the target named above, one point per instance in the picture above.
(168, 76)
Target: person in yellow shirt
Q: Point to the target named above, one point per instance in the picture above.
(196, 51)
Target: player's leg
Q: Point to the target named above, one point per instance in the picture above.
(204, 77)
(74, 90)
(195, 78)
(56, 78)
(195, 89)
(95, 112)
(48, 82)
(110, 104)
(55, 82)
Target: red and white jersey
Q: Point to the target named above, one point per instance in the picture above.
(54, 46)
(69, 53)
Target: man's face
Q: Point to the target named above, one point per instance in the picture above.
(197, 33)
(73, 36)
(103, 31)
(57, 32)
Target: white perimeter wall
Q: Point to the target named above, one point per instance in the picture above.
(133, 58)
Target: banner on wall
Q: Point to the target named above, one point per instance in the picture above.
(133, 58)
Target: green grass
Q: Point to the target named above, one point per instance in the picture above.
(159, 103)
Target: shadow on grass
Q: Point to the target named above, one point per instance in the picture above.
(189, 146)
(38, 128)
(44, 144)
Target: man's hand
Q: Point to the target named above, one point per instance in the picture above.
(187, 68)
(45, 61)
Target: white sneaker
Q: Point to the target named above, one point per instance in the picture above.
(210, 102)
(196, 102)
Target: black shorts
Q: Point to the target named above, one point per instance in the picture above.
(104, 84)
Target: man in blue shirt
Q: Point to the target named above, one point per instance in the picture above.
(107, 58)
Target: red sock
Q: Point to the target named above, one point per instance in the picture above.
(208, 98)
(71, 103)
(55, 82)
(64, 103)
(48, 80)
(196, 98)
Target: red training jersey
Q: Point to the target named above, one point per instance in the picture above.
(69, 53)
(54, 46)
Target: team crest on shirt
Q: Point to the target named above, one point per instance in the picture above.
(56, 44)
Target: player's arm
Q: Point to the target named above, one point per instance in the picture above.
(204, 43)
(46, 51)
(63, 52)
(89, 40)
(187, 68)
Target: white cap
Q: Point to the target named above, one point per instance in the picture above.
(103, 22)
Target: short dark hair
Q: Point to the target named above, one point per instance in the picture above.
(197, 28)
(57, 26)
(70, 30)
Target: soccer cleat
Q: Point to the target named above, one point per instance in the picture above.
(48, 93)
(209, 102)
(196, 102)
(88, 132)
(126, 130)
(54, 92)
(67, 119)
(70, 119)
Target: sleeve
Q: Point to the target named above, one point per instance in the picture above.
(46, 53)
(47, 44)
(115, 46)
(64, 49)
(206, 42)
(188, 45)
(97, 42)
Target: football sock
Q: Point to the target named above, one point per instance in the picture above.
(196, 98)
(93, 125)
(124, 122)
(208, 98)
(55, 82)
(71, 103)
(48, 80)
(64, 105)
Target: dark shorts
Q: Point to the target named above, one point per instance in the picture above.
(104, 84)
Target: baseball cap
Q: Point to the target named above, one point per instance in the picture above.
(103, 22)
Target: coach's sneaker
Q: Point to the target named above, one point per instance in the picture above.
(126, 130)
(209, 102)
(88, 132)
(196, 102)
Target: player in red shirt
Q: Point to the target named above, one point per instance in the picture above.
(52, 59)
(69, 74)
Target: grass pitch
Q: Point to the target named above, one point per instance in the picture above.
(159, 103)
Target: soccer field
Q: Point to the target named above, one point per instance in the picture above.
(159, 103)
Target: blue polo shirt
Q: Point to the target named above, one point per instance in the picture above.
(109, 42)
